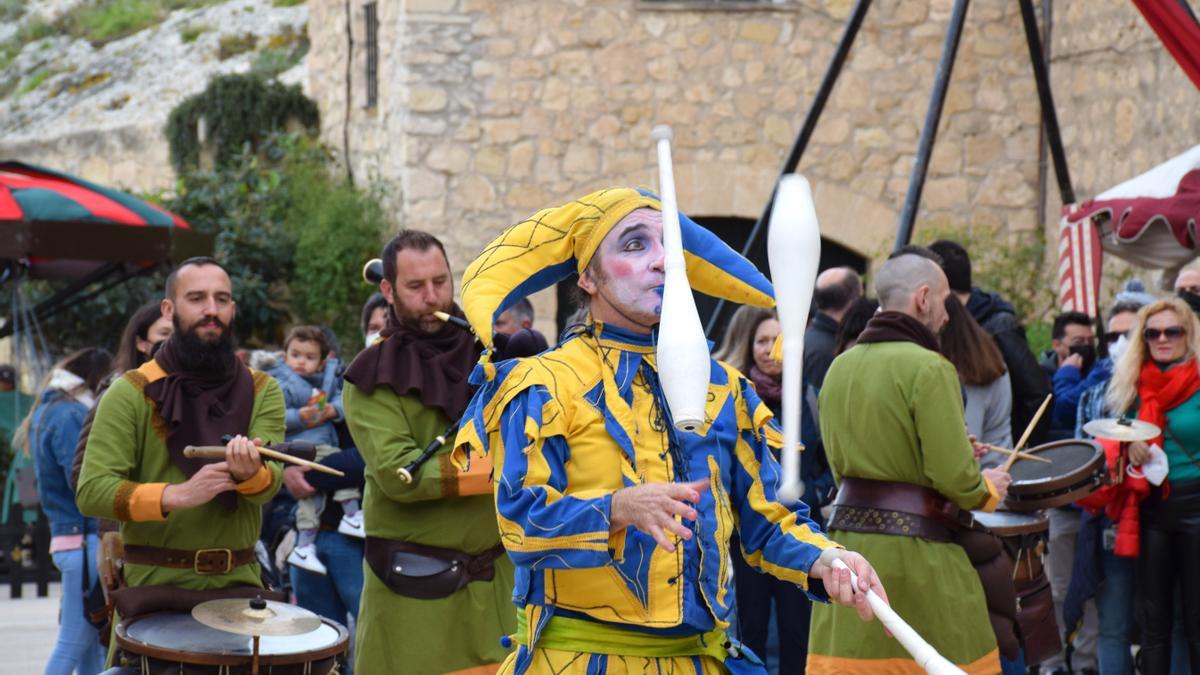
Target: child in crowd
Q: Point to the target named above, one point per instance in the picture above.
(312, 392)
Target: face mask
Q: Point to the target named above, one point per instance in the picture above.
(1192, 299)
(1088, 352)
(1118, 348)
(371, 338)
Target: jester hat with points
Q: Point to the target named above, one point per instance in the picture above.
(559, 241)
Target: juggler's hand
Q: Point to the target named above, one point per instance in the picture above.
(837, 582)
(653, 507)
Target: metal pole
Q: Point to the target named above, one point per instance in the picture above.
(806, 131)
(932, 116)
(1049, 116)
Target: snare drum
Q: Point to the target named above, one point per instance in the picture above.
(174, 643)
(1076, 470)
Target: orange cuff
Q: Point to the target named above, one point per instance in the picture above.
(145, 502)
(256, 483)
(478, 479)
(993, 497)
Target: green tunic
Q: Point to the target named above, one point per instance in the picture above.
(893, 411)
(127, 454)
(397, 634)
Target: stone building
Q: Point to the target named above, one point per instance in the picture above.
(474, 113)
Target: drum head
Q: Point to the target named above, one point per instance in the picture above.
(1007, 523)
(177, 636)
(1076, 469)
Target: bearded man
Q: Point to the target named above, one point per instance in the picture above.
(620, 525)
(434, 598)
(187, 524)
(891, 418)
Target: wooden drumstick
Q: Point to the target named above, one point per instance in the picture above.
(1021, 455)
(1025, 436)
(218, 452)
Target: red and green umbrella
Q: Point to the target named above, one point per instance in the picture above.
(57, 226)
(64, 227)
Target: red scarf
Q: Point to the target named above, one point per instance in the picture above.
(1159, 391)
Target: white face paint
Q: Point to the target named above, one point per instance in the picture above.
(628, 272)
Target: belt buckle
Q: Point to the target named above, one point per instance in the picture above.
(228, 561)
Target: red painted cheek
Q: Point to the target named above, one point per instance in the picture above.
(620, 268)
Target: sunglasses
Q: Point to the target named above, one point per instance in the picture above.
(1171, 333)
(1112, 336)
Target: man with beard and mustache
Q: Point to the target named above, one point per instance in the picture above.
(436, 595)
(619, 524)
(186, 523)
(897, 475)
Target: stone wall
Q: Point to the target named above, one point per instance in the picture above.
(492, 109)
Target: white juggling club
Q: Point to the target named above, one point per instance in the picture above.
(682, 349)
(922, 652)
(794, 252)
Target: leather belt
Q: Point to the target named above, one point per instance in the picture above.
(889, 507)
(204, 561)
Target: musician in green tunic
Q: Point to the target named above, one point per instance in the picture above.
(186, 523)
(891, 412)
(420, 613)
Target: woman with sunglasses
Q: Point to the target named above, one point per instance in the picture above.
(1158, 379)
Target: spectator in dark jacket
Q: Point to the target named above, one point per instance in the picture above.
(1030, 384)
(835, 291)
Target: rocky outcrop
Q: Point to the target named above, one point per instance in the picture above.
(99, 111)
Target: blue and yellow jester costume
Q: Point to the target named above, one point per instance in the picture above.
(568, 428)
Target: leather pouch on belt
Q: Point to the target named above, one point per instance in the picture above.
(426, 572)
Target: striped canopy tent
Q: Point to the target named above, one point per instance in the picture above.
(1149, 220)
(57, 226)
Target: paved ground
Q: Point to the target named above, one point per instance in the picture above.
(27, 630)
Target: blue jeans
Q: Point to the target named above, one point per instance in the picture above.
(334, 595)
(1114, 605)
(78, 648)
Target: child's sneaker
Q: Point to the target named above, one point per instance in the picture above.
(305, 557)
(352, 525)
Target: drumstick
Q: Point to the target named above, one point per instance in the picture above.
(218, 452)
(1022, 455)
(922, 652)
(1025, 436)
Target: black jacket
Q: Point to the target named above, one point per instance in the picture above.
(819, 342)
(1030, 384)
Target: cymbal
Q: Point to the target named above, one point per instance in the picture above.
(1122, 430)
(256, 617)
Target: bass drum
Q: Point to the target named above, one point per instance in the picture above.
(173, 643)
(1024, 537)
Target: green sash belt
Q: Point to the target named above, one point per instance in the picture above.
(591, 637)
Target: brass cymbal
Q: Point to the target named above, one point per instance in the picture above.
(256, 617)
(1124, 430)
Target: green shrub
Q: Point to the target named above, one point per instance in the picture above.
(11, 10)
(34, 81)
(287, 3)
(238, 110)
(232, 45)
(292, 236)
(103, 22)
(189, 33)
